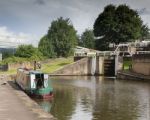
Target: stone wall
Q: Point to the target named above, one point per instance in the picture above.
(93, 65)
(77, 68)
(141, 64)
(21, 65)
(100, 66)
(86, 66)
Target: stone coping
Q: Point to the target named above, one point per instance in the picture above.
(132, 75)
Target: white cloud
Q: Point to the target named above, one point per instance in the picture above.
(9, 38)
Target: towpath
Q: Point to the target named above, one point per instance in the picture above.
(16, 105)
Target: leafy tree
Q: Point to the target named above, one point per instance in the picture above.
(6, 54)
(145, 32)
(63, 37)
(117, 24)
(27, 51)
(46, 48)
(87, 39)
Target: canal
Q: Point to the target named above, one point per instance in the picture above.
(98, 98)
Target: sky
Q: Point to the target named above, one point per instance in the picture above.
(26, 21)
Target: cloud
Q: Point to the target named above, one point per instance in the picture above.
(40, 2)
(11, 39)
(35, 16)
(143, 11)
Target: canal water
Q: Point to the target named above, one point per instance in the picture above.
(98, 98)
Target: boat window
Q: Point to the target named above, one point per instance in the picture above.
(45, 80)
(33, 84)
(40, 80)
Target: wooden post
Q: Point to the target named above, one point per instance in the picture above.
(34, 65)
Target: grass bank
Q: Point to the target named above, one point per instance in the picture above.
(9, 72)
(48, 67)
(56, 64)
(127, 63)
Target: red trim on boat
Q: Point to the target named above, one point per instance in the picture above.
(45, 96)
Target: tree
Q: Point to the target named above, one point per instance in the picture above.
(46, 48)
(116, 25)
(145, 32)
(6, 54)
(63, 37)
(87, 39)
(27, 51)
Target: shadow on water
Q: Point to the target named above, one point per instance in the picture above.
(98, 98)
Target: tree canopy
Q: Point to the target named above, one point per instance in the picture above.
(45, 47)
(27, 51)
(118, 24)
(87, 39)
(60, 39)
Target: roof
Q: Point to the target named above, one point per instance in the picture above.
(28, 71)
(35, 72)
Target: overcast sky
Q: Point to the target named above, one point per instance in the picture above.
(28, 20)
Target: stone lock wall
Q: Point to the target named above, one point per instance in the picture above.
(93, 65)
(77, 68)
(141, 64)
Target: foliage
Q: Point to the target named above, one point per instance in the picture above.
(6, 54)
(27, 51)
(145, 32)
(46, 48)
(87, 39)
(62, 36)
(24, 53)
(118, 24)
(60, 40)
(127, 62)
(13, 59)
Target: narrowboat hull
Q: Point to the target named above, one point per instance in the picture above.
(42, 96)
(34, 83)
(43, 93)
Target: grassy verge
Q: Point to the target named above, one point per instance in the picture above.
(56, 64)
(12, 71)
(49, 67)
(127, 64)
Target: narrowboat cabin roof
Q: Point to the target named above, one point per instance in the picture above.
(26, 71)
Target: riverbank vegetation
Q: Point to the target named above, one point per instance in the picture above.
(127, 63)
(24, 53)
(48, 67)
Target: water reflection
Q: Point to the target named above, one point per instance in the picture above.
(90, 98)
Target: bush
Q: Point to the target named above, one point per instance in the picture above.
(27, 51)
(24, 53)
(13, 59)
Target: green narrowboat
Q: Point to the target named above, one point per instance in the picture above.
(34, 83)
